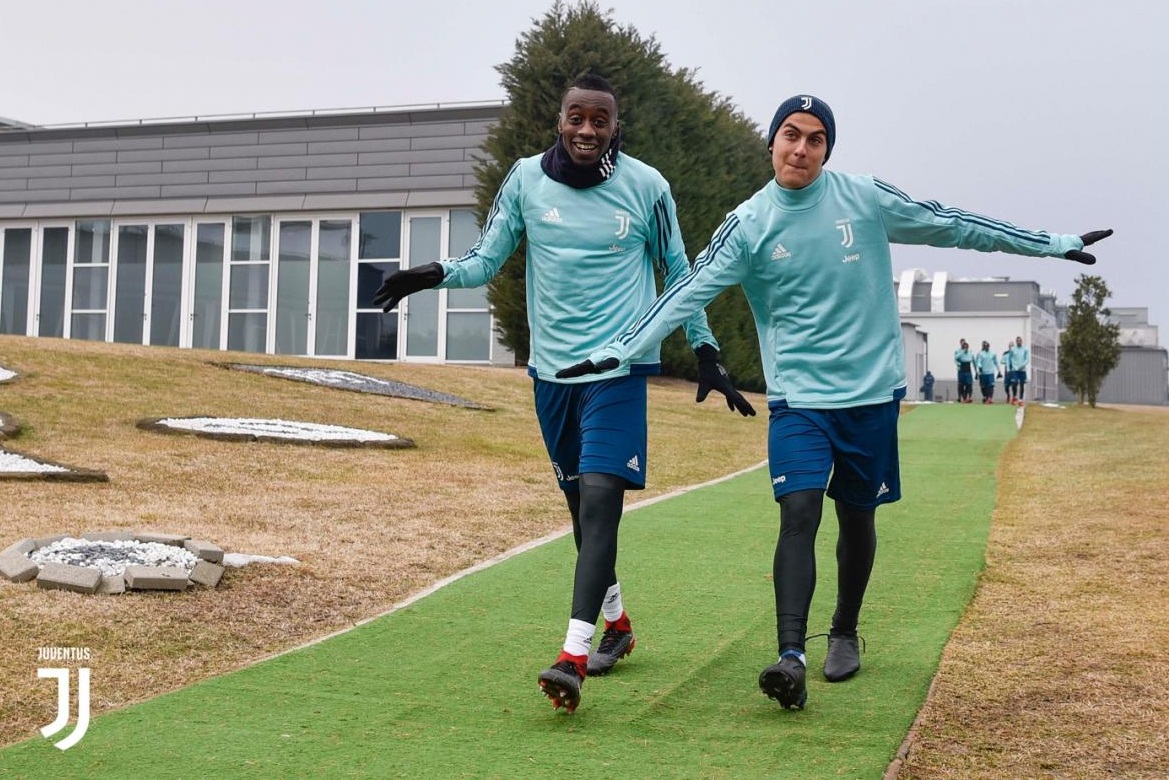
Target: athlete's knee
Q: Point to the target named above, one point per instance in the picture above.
(800, 511)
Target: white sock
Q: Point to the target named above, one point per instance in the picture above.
(579, 638)
(612, 607)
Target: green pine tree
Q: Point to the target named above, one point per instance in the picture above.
(711, 154)
(1090, 346)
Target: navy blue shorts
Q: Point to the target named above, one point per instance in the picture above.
(594, 428)
(965, 379)
(856, 447)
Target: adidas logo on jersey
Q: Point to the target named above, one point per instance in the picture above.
(552, 216)
(780, 253)
(634, 463)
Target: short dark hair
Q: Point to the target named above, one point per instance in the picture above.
(590, 81)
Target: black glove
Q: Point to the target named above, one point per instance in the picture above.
(588, 367)
(712, 376)
(1088, 239)
(402, 283)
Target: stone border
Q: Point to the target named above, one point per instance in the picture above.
(16, 566)
(155, 425)
(360, 383)
(72, 473)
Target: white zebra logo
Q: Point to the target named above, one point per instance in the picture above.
(623, 222)
(62, 719)
(845, 227)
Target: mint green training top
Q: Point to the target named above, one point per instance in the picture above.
(816, 269)
(986, 361)
(591, 255)
(1019, 357)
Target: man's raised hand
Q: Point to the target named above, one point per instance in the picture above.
(1088, 238)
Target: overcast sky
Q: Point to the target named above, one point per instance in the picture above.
(1052, 114)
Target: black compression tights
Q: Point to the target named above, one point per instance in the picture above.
(794, 566)
(596, 515)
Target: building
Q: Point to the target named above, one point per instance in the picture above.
(265, 233)
(994, 310)
(937, 311)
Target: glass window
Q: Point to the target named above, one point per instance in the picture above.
(292, 287)
(90, 287)
(464, 232)
(54, 260)
(208, 285)
(377, 336)
(468, 336)
(251, 238)
(247, 332)
(249, 287)
(92, 245)
(380, 235)
(333, 249)
(422, 323)
(14, 282)
(89, 326)
(166, 288)
(130, 290)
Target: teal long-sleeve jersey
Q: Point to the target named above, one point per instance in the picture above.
(986, 362)
(591, 255)
(818, 274)
(1020, 358)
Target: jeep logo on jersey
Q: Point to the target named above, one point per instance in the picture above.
(805, 102)
(845, 227)
(623, 221)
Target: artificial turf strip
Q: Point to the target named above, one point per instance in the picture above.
(447, 688)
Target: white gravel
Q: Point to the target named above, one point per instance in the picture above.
(284, 429)
(112, 557)
(12, 462)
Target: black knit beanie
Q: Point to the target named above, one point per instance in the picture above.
(806, 104)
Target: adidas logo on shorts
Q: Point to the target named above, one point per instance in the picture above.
(634, 463)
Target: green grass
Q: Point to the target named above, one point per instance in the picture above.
(446, 687)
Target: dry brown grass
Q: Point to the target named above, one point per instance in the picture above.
(369, 526)
(1060, 667)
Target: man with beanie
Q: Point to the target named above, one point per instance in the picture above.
(597, 222)
(811, 252)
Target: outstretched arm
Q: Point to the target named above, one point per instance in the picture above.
(908, 221)
(499, 238)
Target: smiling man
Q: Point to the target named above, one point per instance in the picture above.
(811, 252)
(597, 223)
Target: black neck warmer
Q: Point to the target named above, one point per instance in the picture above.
(560, 167)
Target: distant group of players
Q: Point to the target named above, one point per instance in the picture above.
(985, 363)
